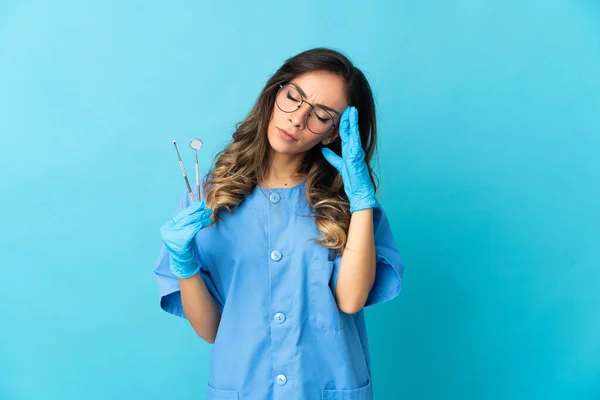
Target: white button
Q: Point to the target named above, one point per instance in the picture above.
(279, 318)
(274, 197)
(275, 255)
(281, 379)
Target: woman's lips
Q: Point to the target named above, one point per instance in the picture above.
(286, 136)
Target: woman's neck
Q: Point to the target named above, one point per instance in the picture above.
(275, 183)
(283, 172)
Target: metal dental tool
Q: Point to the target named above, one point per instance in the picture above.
(187, 183)
(196, 145)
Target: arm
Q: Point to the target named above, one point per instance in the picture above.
(358, 264)
(197, 303)
(199, 307)
(357, 267)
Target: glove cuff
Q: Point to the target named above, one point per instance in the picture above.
(184, 268)
(363, 204)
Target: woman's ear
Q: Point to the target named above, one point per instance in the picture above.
(330, 139)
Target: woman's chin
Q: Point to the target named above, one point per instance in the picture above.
(283, 147)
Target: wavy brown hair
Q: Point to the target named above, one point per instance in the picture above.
(243, 163)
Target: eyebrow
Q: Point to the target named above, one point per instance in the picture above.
(323, 106)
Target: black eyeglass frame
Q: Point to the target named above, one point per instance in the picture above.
(333, 125)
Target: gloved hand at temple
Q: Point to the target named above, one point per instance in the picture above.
(352, 166)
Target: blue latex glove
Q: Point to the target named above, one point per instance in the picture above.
(352, 166)
(178, 234)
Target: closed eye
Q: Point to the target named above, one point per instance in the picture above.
(289, 96)
(324, 119)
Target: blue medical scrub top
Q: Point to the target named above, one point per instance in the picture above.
(281, 334)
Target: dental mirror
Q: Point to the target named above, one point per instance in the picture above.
(196, 144)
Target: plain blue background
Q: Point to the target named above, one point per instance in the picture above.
(489, 162)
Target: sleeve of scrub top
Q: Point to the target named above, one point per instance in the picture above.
(168, 285)
(389, 269)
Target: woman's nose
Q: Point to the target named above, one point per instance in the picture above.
(298, 117)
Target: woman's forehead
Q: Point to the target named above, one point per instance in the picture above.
(322, 87)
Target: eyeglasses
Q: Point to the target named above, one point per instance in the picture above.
(319, 121)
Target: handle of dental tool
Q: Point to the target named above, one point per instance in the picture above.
(187, 183)
(198, 181)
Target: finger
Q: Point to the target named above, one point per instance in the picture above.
(189, 210)
(202, 216)
(186, 220)
(354, 140)
(198, 218)
(345, 124)
(353, 119)
(332, 158)
(207, 211)
(206, 214)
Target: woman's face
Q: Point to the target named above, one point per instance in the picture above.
(288, 132)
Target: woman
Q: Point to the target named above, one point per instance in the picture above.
(288, 243)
